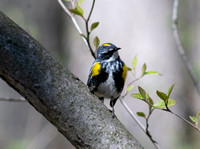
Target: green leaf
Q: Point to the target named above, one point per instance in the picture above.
(80, 2)
(161, 104)
(141, 114)
(129, 69)
(162, 95)
(130, 87)
(150, 101)
(75, 3)
(93, 26)
(80, 10)
(194, 119)
(152, 72)
(171, 102)
(142, 92)
(170, 90)
(83, 36)
(77, 12)
(144, 67)
(134, 62)
(137, 96)
(198, 116)
(96, 42)
(67, 0)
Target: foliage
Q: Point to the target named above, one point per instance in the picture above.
(195, 119)
(77, 10)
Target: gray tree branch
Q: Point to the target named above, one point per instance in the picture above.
(56, 93)
(180, 47)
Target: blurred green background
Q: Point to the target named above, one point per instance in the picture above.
(141, 28)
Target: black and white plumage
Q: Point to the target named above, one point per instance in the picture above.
(107, 74)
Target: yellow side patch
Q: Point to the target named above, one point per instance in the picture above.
(124, 73)
(106, 45)
(96, 69)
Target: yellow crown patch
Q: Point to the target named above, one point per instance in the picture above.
(106, 45)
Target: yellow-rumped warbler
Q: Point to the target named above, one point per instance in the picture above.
(107, 74)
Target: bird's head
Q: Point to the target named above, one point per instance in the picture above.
(107, 51)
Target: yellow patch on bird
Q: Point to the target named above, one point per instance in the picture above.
(106, 45)
(124, 73)
(96, 69)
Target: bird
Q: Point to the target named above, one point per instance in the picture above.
(107, 74)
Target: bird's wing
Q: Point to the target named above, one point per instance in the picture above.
(94, 72)
(124, 73)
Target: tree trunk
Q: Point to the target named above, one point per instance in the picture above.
(56, 93)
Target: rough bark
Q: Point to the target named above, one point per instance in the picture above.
(56, 93)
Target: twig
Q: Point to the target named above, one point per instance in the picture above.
(87, 39)
(130, 84)
(188, 122)
(71, 16)
(184, 58)
(87, 30)
(137, 121)
(180, 47)
(145, 130)
(168, 110)
(13, 99)
(147, 127)
(131, 114)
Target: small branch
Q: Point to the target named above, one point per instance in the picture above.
(91, 11)
(13, 99)
(131, 114)
(73, 20)
(145, 130)
(86, 40)
(180, 47)
(130, 84)
(87, 30)
(188, 122)
(168, 110)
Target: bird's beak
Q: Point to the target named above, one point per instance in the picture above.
(117, 49)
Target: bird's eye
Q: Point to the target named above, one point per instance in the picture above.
(103, 51)
(111, 49)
